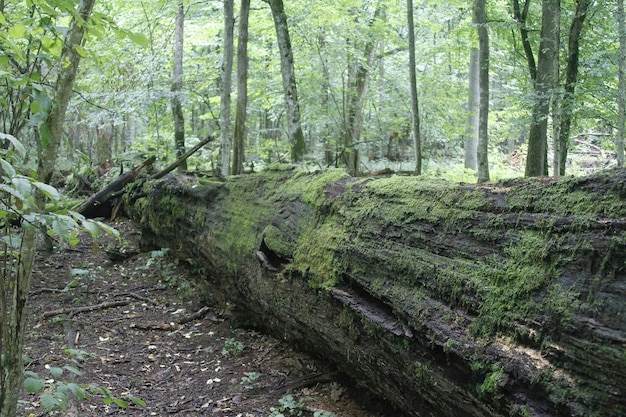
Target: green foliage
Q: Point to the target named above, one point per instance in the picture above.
(292, 406)
(233, 347)
(54, 392)
(249, 380)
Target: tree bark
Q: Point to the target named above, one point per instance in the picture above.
(177, 86)
(242, 90)
(482, 149)
(415, 113)
(15, 300)
(536, 159)
(571, 76)
(621, 95)
(471, 131)
(52, 129)
(294, 126)
(227, 75)
(355, 97)
(446, 299)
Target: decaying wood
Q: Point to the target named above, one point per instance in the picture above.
(76, 310)
(448, 300)
(92, 206)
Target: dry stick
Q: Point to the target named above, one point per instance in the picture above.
(186, 155)
(75, 310)
(173, 326)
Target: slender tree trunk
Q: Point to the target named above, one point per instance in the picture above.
(15, 314)
(357, 90)
(227, 73)
(471, 131)
(520, 15)
(536, 160)
(621, 101)
(177, 86)
(242, 89)
(480, 18)
(575, 31)
(14, 325)
(294, 127)
(415, 117)
(51, 130)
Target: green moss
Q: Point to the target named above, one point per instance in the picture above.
(316, 255)
(522, 287)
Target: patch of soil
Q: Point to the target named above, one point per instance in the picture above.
(138, 331)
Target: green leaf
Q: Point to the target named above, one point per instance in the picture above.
(139, 38)
(15, 193)
(108, 229)
(137, 401)
(48, 190)
(120, 403)
(73, 370)
(81, 51)
(17, 31)
(23, 185)
(7, 168)
(56, 372)
(78, 391)
(33, 385)
(3, 21)
(50, 401)
(46, 134)
(19, 148)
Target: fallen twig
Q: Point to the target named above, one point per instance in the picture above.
(177, 325)
(75, 310)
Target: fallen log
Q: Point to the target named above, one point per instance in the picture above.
(446, 299)
(96, 204)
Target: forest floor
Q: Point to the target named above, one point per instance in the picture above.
(127, 329)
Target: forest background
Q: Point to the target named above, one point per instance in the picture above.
(471, 91)
(351, 65)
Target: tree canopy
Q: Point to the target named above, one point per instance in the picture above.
(120, 105)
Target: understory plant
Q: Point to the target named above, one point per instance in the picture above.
(23, 217)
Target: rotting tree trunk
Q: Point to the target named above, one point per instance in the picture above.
(446, 299)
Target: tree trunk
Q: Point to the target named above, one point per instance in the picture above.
(482, 148)
(177, 86)
(357, 90)
(575, 31)
(446, 299)
(15, 300)
(242, 89)
(621, 95)
(415, 113)
(51, 130)
(13, 323)
(536, 160)
(471, 131)
(294, 127)
(227, 74)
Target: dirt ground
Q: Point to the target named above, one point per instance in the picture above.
(135, 335)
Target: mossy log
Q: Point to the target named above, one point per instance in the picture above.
(446, 299)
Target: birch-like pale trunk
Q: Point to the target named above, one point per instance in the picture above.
(227, 74)
(177, 86)
(621, 98)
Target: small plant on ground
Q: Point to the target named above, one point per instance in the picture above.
(249, 380)
(233, 347)
(290, 406)
(54, 392)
